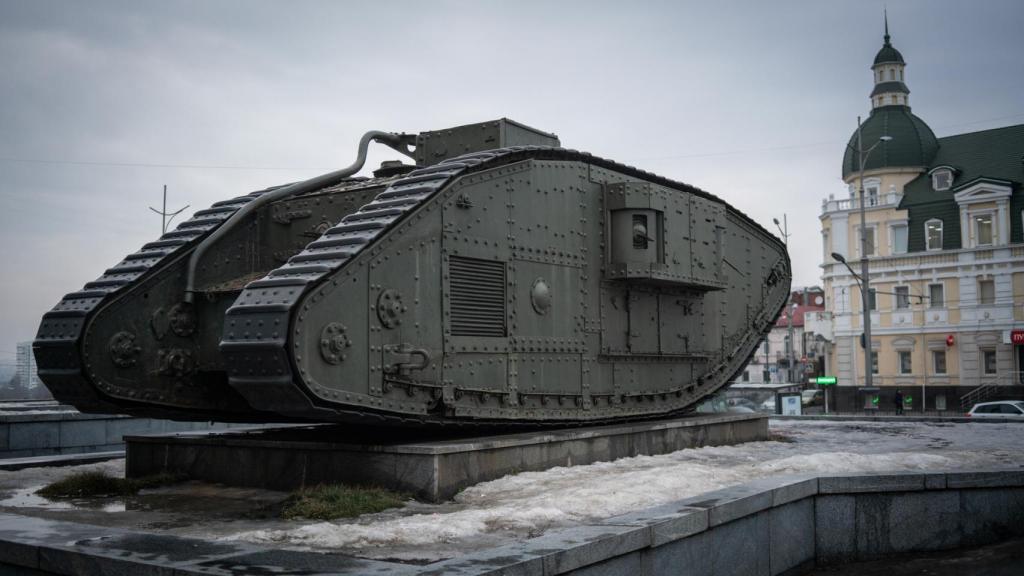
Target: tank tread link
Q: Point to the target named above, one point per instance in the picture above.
(270, 367)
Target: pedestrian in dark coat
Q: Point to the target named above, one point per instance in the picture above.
(899, 403)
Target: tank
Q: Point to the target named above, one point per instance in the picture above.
(499, 280)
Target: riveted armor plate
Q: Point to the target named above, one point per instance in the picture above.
(182, 320)
(123, 350)
(390, 308)
(334, 343)
(540, 296)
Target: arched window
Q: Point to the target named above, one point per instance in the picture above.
(933, 234)
(892, 74)
(901, 75)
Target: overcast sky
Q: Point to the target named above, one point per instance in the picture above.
(102, 103)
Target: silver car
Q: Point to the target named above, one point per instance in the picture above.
(1002, 409)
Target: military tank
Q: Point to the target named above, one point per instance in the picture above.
(501, 280)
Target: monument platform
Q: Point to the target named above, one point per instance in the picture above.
(432, 465)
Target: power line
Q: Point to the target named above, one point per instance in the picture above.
(149, 164)
(739, 151)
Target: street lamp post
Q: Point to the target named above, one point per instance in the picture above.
(862, 157)
(784, 230)
(790, 352)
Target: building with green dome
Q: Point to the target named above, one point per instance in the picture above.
(945, 246)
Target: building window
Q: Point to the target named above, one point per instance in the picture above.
(824, 244)
(933, 234)
(892, 74)
(939, 361)
(899, 238)
(901, 75)
(942, 180)
(902, 297)
(872, 300)
(871, 193)
(869, 240)
(983, 229)
(746, 376)
(986, 292)
(989, 361)
(936, 296)
(905, 366)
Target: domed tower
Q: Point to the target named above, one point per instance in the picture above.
(912, 144)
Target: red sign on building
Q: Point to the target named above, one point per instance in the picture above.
(1017, 337)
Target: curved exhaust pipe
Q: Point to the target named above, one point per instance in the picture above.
(398, 142)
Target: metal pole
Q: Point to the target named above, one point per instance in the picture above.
(864, 287)
(792, 344)
(163, 213)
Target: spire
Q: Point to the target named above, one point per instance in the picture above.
(888, 68)
(885, 12)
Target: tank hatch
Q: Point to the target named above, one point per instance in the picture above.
(440, 145)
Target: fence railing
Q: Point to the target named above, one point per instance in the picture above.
(887, 199)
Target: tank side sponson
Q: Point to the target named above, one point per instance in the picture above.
(267, 365)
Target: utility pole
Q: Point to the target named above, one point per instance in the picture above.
(164, 213)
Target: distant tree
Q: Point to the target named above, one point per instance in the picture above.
(14, 390)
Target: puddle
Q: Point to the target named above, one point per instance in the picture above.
(27, 498)
(187, 500)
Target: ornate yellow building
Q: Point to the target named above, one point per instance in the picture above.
(945, 245)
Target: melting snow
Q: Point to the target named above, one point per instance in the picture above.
(528, 503)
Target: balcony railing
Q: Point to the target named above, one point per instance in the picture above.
(887, 199)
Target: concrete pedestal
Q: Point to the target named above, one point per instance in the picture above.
(432, 465)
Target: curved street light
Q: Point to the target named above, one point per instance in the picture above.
(862, 156)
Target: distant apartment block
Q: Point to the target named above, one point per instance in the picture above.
(27, 366)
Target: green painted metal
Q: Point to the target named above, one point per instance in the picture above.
(504, 280)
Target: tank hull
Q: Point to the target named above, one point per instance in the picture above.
(527, 285)
(500, 287)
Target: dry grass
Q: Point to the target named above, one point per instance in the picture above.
(93, 484)
(330, 501)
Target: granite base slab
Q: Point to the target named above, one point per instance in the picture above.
(432, 465)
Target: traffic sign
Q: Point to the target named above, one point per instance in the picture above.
(825, 380)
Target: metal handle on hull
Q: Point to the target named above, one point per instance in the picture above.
(399, 142)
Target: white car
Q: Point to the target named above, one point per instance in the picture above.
(1002, 409)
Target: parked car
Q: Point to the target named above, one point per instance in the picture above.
(742, 403)
(1000, 409)
(811, 397)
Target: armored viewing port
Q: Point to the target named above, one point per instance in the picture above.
(433, 466)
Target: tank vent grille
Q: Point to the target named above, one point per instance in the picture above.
(477, 297)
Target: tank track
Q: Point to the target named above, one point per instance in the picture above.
(255, 341)
(57, 346)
